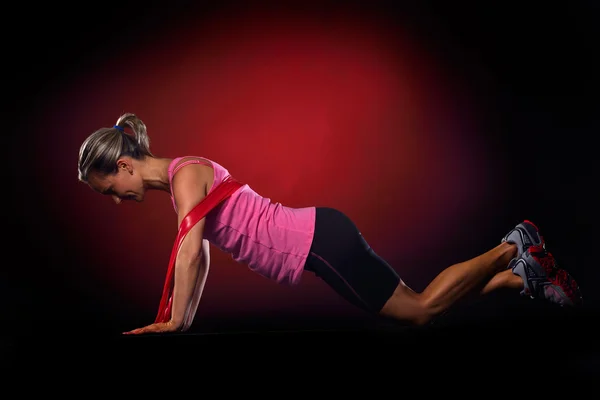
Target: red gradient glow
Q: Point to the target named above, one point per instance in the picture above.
(341, 114)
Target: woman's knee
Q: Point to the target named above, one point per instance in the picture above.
(408, 306)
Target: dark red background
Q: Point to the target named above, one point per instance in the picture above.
(435, 128)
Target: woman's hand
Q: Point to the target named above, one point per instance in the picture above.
(159, 327)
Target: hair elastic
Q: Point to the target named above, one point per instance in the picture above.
(119, 128)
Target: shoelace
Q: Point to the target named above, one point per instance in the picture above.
(567, 283)
(558, 276)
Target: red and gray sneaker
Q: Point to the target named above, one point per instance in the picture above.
(524, 235)
(542, 278)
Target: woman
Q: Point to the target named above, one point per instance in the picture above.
(280, 242)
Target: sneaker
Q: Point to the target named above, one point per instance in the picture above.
(524, 235)
(542, 278)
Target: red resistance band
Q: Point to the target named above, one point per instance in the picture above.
(219, 193)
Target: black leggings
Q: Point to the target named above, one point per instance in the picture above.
(343, 259)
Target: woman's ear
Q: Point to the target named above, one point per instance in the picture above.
(125, 164)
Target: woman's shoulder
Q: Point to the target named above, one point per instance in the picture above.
(194, 165)
(197, 167)
(190, 170)
(179, 162)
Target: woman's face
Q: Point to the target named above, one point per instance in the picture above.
(125, 184)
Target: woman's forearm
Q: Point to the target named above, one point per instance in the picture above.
(200, 283)
(187, 272)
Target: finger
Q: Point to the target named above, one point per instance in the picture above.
(148, 329)
(153, 328)
(134, 331)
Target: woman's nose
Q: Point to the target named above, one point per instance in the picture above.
(116, 199)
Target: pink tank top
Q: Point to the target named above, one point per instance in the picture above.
(271, 239)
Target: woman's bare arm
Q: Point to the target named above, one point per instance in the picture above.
(189, 189)
(199, 288)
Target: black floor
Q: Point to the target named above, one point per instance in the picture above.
(540, 341)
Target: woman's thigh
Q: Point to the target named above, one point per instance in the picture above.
(343, 259)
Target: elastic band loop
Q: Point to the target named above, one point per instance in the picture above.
(119, 128)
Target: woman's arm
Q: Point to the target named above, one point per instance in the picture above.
(191, 263)
(189, 188)
(201, 281)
